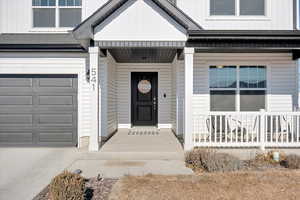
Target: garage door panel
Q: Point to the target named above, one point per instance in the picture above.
(16, 100)
(55, 119)
(61, 136)
(16, 118)
(55, 100)
(16, 137)
(38, 110)
(16, 82)
(56, 82)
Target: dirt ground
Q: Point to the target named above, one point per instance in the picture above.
(249, 185)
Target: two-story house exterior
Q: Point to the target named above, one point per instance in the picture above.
(217, 72)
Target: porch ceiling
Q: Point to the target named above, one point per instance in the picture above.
(143, 55)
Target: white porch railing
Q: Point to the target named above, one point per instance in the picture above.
(247, 129)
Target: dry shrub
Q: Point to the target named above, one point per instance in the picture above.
(268, 157)
(211, 161)
(67, 186)
(292, 161)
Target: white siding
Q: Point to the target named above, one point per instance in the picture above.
(16, 15)
(279, 15)
(281, 80)
(124, 92)
(140, 21)
(174, 95)
(180, 96)
(112, 121)
(90, 6)
(50, 63)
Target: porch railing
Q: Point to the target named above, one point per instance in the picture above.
(247, 129)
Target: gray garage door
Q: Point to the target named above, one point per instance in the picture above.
(38, 110)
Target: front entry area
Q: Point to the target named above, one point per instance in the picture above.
(144, 98)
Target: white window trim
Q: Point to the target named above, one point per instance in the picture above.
(237, 16)
(57, 28)
(297, 11)
(237, 89)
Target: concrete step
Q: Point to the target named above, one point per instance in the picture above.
(119, 168)
(135, 156)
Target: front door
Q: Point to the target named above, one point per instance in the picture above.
(144, 98)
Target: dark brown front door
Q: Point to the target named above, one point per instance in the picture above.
(144, 98)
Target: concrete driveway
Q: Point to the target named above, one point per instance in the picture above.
(24, 172)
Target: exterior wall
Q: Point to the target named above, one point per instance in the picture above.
(174, 95)
(124, 92)
(281, 78)
(180, 96)
(16, 15)
(279, 16)
(140, 21)
(112, 115)
(51, 63)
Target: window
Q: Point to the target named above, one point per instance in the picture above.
(56, 13)
(222, 7)
(43, 13)
(237, 88)
(237, 7)
(253, 7)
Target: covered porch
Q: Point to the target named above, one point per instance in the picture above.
(211, 88)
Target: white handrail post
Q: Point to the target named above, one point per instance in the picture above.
(263, 130)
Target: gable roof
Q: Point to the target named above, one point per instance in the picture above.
(85, 30)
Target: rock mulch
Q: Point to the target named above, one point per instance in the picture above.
(96, 189)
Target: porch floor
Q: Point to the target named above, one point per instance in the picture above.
(144, 143)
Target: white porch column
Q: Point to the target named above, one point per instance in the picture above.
(188, 97)
(94, 82)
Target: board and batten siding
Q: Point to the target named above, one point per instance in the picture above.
(53, 63)
(124, 92)
(16, 15)
(281, 78)
(279, 16)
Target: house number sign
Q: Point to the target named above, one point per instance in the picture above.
(144, 86)
(94, 78)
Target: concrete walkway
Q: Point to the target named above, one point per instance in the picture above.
(25, 172)
(137, 151)
(144, 143)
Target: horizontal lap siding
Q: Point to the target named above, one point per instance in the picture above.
(180, 93)
(281, 70)
(283, 86)
(112, 120)
(124, 93)
(174, 95)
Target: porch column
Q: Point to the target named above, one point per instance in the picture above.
(188, 97)
(94, 82)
